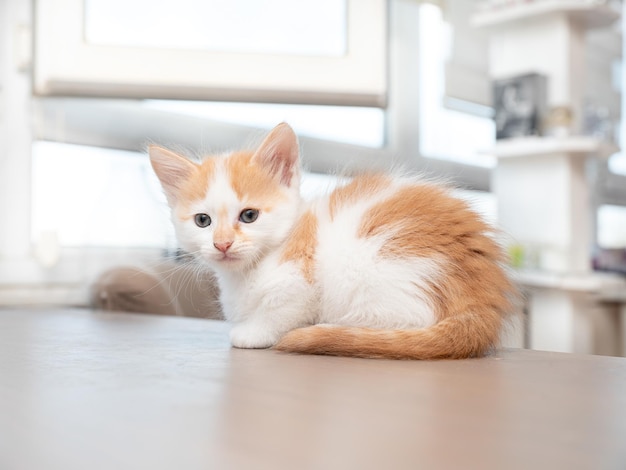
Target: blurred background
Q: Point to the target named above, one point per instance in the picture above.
(518, 103)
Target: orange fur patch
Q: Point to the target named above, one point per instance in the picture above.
(469, 335)
(195, 188)
(356, 190)
(250, 181)
(301, 244)
(424, 219)
(426, 222)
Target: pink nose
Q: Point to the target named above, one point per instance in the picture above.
(222, 246)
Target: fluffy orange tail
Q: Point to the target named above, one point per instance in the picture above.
(460, 336)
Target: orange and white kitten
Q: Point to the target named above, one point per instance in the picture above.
(386, 266)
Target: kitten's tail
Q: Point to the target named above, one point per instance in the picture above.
(456, 337)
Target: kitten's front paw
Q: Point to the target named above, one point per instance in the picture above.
(251, 337)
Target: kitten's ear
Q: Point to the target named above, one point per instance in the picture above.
(172, 170)
(279, 154)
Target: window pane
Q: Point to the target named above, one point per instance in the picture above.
(252, 26)
(96, 197)
(612, 226)
(445, 133)
(617, 163)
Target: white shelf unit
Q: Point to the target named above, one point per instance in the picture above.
(544, 197)
(546, 37)
(543, 192)
(590, 13)
(576, 146)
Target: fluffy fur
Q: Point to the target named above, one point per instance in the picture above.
(386, 266)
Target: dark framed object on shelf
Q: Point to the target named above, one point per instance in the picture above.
(520, 104)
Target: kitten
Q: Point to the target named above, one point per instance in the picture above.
(385, 266)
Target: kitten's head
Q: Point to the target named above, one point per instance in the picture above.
(232, 210)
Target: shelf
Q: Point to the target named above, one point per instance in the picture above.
(588, 13)
(578, 146)
(593, 282)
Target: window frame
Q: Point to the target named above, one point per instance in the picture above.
(65, 64)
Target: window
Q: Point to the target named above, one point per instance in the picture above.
(472, 133)
(395, 130)
(96, 197)
(226, 50)
(617, 163)
(611, 226)
(260, 27)
(610, 248)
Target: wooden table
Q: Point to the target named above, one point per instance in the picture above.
(87, 390)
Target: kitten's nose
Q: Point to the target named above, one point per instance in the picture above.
(222, 246)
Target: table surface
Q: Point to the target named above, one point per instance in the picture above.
(89, 390)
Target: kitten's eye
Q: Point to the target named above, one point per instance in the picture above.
(202, 220)
(248, 216)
